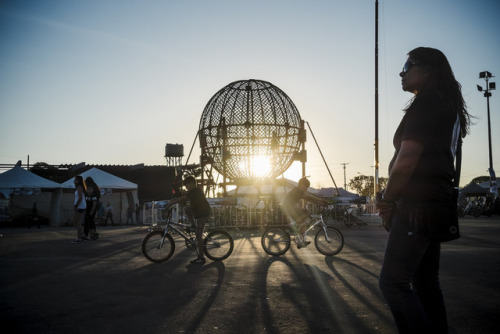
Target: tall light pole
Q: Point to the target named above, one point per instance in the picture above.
(375, 178)
(345, 183)
(489, 86)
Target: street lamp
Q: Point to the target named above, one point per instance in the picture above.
(345, 183)
(489, 87)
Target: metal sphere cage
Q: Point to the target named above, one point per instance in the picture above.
(250, 128)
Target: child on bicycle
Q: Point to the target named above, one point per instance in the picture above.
(200, 209)
(294, 211)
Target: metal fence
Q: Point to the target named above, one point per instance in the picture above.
(234, 216)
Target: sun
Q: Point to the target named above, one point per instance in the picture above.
(256, 166)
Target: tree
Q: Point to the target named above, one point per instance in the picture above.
(363, 184)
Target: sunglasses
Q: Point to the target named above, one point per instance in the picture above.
(408, 65)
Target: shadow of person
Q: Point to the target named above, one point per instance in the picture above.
(197, 270)
(303, 291)
(353, 276)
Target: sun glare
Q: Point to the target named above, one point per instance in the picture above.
(257, 166)
(294, 173)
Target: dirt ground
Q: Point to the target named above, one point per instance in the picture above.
(49, 285)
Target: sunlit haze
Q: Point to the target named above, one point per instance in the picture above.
(112, 82)
(260, 166)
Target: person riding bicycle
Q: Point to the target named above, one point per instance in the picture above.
(200, 209)
(293, 210)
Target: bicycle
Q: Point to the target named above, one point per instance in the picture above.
(328, 240)
(159, 245)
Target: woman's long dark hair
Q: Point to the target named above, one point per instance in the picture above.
(90, 183)
(441, 79)
(80, 182)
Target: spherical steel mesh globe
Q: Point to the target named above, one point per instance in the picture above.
(250, 128)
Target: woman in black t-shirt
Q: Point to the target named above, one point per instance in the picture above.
(92, 197)
(421, 176)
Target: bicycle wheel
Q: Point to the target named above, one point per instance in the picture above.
(331, 245)
(156, 248)
(275, 241)
(218, 245)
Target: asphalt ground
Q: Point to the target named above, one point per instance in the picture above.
(49, 285)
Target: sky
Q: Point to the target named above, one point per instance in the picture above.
(112, 82)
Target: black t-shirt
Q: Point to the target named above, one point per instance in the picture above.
(291, 203)
(91, 198)
(199, 204)
(430, 122)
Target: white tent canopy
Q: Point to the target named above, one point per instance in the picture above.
(103, 180)
(19, 178)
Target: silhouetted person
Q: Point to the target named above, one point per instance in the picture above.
(420, 180)
(137, 214)
(130, 215)
(34, 219)
(79, 208)
(92, 199)
(109, 214)
(298, 217)
(200, 209)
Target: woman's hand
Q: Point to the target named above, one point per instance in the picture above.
(385, 209)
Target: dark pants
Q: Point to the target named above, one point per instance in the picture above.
(200, 227)
(89, 225)
(410, 277)
(109, 215)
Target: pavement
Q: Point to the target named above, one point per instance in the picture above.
(49, 285)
